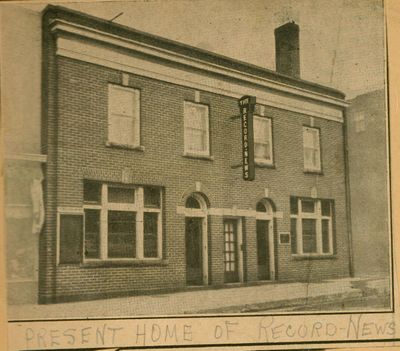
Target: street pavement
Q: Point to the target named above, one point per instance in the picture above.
(233, 299)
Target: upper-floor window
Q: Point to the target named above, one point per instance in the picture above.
(311, 149)
(311, 226)
(123, 115)
(359, 121)
(122, 222)
(262, 140)
(196, 126)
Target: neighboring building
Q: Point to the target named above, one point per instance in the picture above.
(368, 175)
(143, 185)
(21, 116)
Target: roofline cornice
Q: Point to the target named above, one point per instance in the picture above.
(57, 14)
(63, 27)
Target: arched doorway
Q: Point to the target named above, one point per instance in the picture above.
(196, 242)
(265, 240)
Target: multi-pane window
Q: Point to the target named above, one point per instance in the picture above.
(311, 149)
(150, 234)
(311, 223)
(92, 233)
(196, 126)
(123, 115)
(122, 222)
(262, 140)
(121, 234)
(359, 121)
(230, 247)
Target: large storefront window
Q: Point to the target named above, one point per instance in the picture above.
(122, 222)
(311, 226)
(121, 234)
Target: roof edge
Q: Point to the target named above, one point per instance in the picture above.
(183, 49)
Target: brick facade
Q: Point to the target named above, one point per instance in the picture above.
(75, 136)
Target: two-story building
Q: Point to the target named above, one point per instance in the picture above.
(143, 187)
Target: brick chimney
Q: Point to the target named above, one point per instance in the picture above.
(287, 53)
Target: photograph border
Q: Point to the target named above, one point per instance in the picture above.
(391, 10)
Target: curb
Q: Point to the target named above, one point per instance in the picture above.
(280, 304)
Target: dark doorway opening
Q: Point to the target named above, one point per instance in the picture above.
(194, 260)
(263, 269)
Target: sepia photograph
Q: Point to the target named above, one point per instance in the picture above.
(195, 159)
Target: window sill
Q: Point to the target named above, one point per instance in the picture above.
(125, 146)
(196, 156)
(264, 164)
(258, 164)
(235, 117)
(313, 256)
(124, 263)
(313, 171)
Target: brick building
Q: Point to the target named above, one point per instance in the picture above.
(143, 182)
(368, 177)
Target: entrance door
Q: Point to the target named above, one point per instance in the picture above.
(194, 262)
(262, 251)
(230, 251)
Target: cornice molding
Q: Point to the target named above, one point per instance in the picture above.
(91, 45)
(27, 157)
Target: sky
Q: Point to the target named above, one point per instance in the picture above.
(341, 41)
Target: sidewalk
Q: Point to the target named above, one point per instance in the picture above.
(230, 300)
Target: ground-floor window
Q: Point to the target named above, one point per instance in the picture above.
(119, 222)
(311, 224)
(121, 234)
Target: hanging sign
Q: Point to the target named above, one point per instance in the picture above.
(246, 106)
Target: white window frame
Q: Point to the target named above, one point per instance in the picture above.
(264, 160)
(139, 208)
(316, 215)
(205, 152)
(135, 116)
(359, 121)
(311, 167)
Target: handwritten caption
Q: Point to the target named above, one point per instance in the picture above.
(164, 332)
